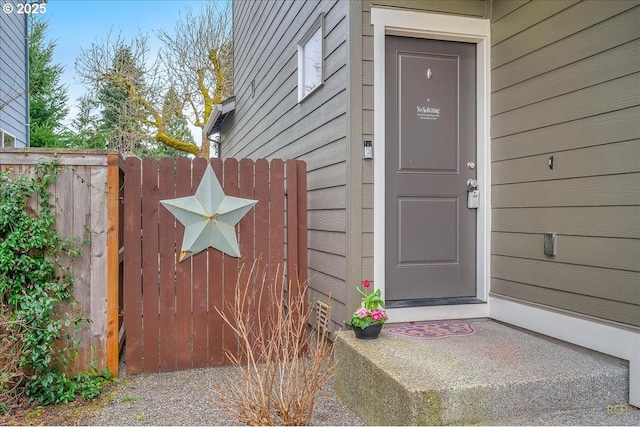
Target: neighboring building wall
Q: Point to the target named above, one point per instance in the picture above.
(270, 123)
(565, 83)
(14, 110)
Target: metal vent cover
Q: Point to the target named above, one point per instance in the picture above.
(322, 315)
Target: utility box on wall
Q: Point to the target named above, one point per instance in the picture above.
(549, 244)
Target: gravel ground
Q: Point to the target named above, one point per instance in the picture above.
(189, 398)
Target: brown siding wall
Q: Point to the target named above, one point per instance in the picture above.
(272, 124)
(565, 79)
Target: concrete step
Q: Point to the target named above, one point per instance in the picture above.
(496, 375)
(618, 415)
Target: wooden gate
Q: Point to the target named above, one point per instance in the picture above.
(170, 315)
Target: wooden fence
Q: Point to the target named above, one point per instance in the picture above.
(86, 205)
(170, 313)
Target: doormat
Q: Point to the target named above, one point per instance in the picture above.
(434, 330)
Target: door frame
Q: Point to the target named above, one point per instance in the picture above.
(387, 21)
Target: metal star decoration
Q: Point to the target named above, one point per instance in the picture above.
(209, 217)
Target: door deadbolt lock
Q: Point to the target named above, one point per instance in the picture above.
(473, 195)
(471, 165)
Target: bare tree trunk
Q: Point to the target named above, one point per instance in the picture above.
(205, 147)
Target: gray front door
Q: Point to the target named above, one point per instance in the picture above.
(430, 154)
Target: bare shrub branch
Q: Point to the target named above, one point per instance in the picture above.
(283, 366)
(11, 374)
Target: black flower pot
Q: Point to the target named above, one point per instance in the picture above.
(371, 332)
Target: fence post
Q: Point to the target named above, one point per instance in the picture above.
(113, 265)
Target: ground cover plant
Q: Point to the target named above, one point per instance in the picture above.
(284, 365)
(36, 289)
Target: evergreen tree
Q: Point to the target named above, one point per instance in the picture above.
(121, 115)
(176, 124)
(47, 96)
(88, 130)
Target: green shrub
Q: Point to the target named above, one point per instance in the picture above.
(33, 284)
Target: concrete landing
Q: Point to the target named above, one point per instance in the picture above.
(494, 376)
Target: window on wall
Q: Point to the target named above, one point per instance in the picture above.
(311, 60)
(6, 139)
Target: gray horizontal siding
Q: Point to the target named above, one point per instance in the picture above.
(612, 284)
(500, 8)
(605, 252)
(522, 18)
(592, 221)
(572, 163)
(272, 124)
(606, 190)
(612, 95)
(549, 30)
(600, 37)
(13, 80)
(620, 313)
(565, 83)
(607, 128)
(609, 65)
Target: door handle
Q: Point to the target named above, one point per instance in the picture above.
(472, 184)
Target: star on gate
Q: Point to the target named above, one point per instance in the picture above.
(209, 217)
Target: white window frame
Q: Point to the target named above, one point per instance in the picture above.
(3, 133)
(317, 25)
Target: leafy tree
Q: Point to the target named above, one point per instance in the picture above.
(47, 95)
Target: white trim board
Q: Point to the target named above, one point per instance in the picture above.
(440, 27)
(442, 312)
(617, 342)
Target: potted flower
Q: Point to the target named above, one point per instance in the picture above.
(367, 320)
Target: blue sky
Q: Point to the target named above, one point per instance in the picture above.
(76, 24)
